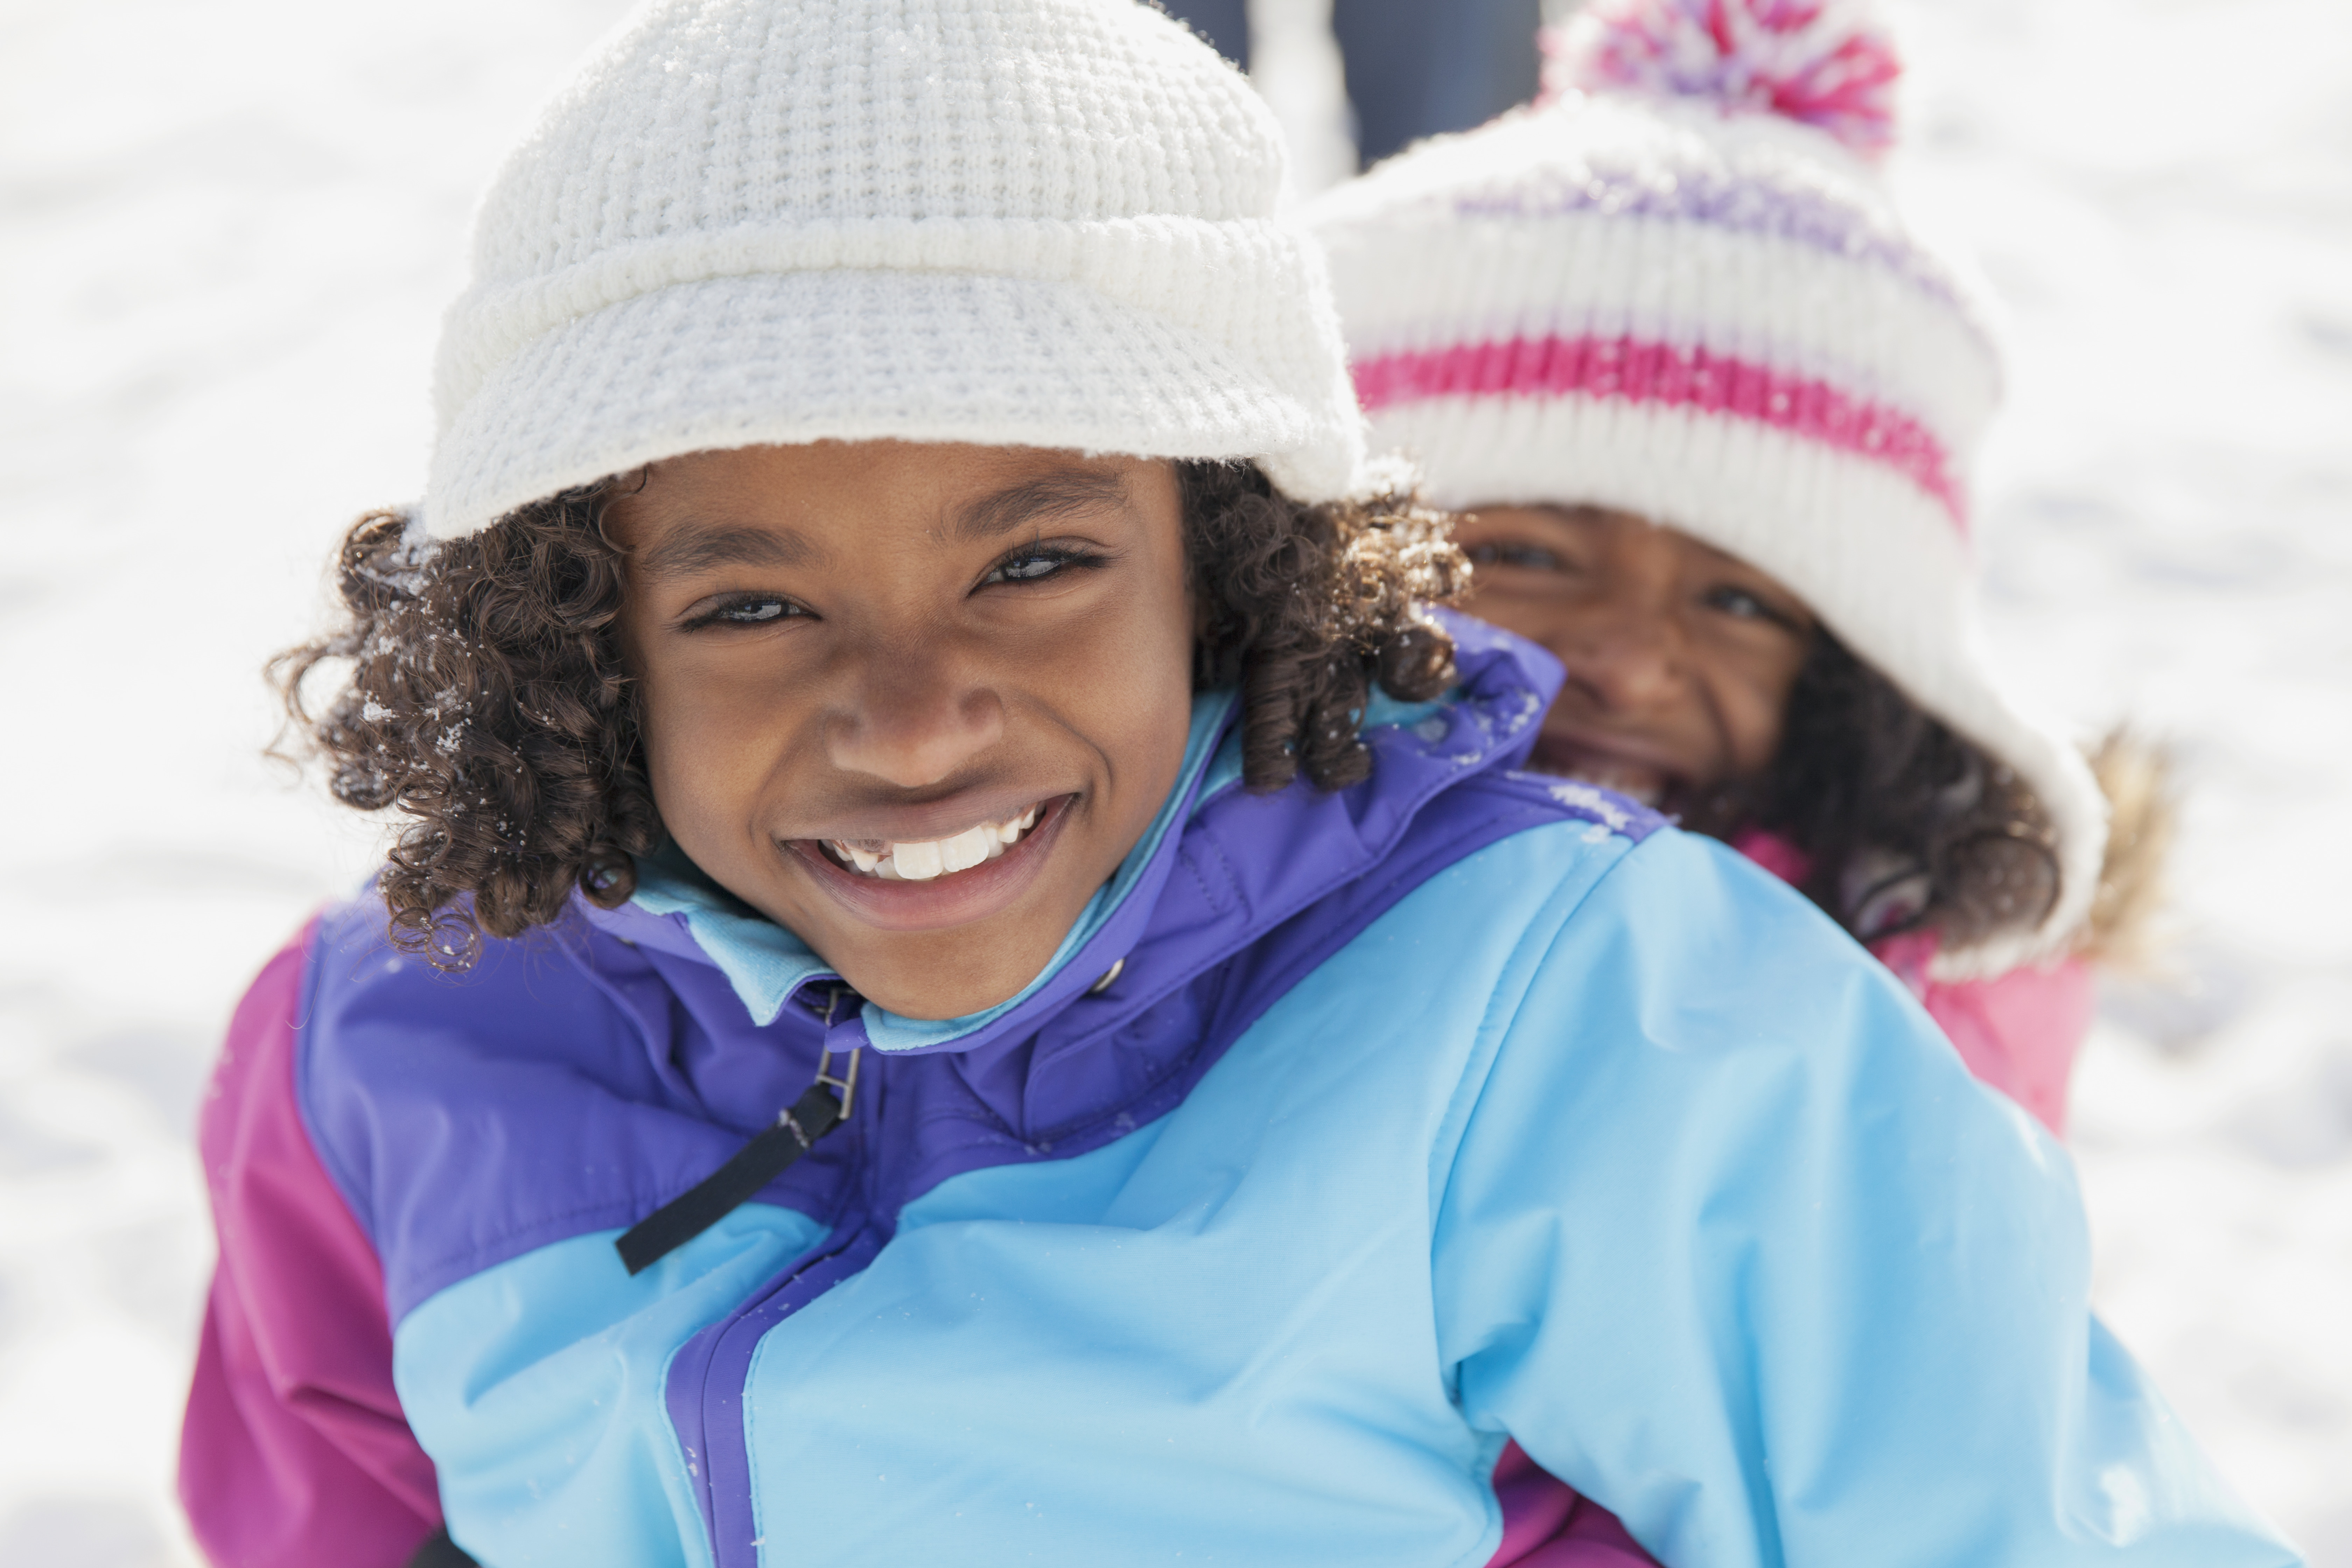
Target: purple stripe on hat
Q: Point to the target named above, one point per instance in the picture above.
(1750, 205)
(1675, 377)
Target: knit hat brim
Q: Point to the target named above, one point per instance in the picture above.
(855, 355)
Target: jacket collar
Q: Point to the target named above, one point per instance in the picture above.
(767, 964)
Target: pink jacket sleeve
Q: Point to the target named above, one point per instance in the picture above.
(295, 1451)
(2018, 1032)
(1547, 1524)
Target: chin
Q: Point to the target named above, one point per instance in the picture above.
(942, 942)
(1639, 781)
(937, 975)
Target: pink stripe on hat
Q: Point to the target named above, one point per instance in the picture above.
(1671, 375)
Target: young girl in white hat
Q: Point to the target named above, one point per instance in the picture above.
(968, 978)
(1710, 406)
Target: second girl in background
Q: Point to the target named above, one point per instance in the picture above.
(1710, 406)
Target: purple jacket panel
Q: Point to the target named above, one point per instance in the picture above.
(472, 1119)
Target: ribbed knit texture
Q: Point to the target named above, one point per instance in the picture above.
(1032, 222)
(1715, 317)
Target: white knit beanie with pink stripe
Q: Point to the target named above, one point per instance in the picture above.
(1679, 288)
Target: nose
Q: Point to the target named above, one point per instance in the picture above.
(1628, 657)
(915, 718)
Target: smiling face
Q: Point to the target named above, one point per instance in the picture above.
(914, 703)
(1680, 657)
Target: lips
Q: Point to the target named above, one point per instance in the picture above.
(934, 884)
(921, 859)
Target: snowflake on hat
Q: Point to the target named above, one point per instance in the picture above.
(1828, 64)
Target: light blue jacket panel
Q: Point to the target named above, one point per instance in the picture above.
(1624, 1152)
(537, 1388)
(1732, 1242)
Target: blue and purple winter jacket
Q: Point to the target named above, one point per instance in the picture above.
(1462, 1106)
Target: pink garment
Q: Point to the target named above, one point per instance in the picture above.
(1546, 1525)
(2017, 1031)
(295, 1451)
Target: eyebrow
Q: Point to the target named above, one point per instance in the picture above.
(1036, 501)
(694, 548)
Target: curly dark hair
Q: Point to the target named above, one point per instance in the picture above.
(485, 699)
(1904, 824)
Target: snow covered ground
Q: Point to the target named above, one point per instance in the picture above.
(225, 231)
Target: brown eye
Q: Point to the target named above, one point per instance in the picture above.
(1512, 552)
(1741, 605)
(1026, 569)
(1037, 564)
(749, 610)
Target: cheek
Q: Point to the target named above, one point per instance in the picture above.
(1135, 665)
(673, 731)
(1754, 701)
(1524, 614)
(1114, 681)
(705, 757)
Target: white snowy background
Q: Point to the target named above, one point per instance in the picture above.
(225, 233)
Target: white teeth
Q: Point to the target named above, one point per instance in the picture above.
(967, 849)
(920, 861)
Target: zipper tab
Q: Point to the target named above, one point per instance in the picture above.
(821, 1107)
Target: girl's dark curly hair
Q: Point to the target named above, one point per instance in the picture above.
(485, 699)
(1904, 824)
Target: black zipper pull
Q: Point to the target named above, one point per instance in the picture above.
(815, 1113)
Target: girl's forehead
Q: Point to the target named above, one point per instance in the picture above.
(831, 476)
(687, 512)
(1593, 518)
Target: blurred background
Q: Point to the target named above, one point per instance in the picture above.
(226, 232)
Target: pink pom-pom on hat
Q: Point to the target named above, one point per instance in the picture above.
(1828, 64)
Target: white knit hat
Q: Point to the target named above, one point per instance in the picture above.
(1679, 288)
(1011, 221)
